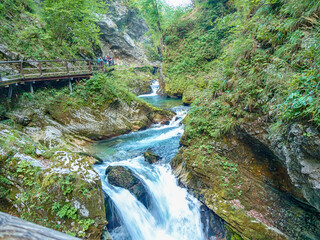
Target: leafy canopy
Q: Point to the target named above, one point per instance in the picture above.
(73, 21)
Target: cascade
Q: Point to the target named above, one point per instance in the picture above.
(173, 214)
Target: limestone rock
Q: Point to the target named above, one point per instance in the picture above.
(121, 32)
(43, 184)
(122, 177)
(151, 157)
(262, 183)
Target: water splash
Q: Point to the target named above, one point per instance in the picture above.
(173, 213)
(154, 89)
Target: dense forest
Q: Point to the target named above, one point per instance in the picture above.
(248, 70)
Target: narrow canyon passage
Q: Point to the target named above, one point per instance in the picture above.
(166, 211)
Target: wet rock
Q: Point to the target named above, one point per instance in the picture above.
(165, 122)
(151, 157)
(106, 235)
(50, 125)
(122, 177)
(97, 160)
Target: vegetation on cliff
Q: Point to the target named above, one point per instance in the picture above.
(250, 69)
(249, 58)
(53, 187)
(51, 29)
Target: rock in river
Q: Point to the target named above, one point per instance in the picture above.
(151, 157)
(122, 177)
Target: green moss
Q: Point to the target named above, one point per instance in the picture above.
(231, 234)
(43, 197)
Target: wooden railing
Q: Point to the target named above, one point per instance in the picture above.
(34, 70)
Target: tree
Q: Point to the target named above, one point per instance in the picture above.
(151, 10)
(72, 22)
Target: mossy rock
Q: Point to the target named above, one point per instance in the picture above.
(122, 177)
(151, 157)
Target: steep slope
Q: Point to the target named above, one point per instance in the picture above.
(250, 149)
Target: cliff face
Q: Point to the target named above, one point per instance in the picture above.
(264, 185)
(123, 34)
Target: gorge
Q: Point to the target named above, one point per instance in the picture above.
(228, 148)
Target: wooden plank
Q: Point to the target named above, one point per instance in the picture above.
(79, 69)
(16, 228)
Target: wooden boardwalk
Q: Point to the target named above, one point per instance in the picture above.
(16, 228)
(20, 72)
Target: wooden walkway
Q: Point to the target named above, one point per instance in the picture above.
(15, 228)
(20, 72)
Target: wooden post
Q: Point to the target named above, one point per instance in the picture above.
(31, 88)
(67, 67)
(21, 69)
(70, 85)
(90, 67)
(10, 91)
(40, 69)
(16, 228)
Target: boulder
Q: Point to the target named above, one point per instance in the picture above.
(167, 122)
(122, 177)
(151, 157)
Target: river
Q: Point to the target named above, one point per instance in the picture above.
(172, 213)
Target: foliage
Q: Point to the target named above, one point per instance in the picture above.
(66, 183)
(26, 172)
(192, 44)
(73, 22)
(65, 211)
(249, 58)
(50, 29)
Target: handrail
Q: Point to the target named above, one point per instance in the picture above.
(48, 70)
(58, 60)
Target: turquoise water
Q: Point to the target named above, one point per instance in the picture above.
(172, 214)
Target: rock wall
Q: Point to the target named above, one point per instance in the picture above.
(265, 185)
(53, 124)
(123, 34)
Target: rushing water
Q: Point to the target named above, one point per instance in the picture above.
(172, 212)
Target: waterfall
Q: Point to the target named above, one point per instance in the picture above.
(154, 89)
(173, 214)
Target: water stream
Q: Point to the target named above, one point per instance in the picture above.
(172, 212)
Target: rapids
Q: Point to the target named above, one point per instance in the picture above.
(172, 213)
